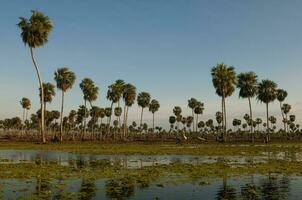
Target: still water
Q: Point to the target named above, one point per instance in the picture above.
(247, 187)
(268, 186)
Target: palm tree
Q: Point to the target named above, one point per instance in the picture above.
(118, 112)
(192, 103)
(177, 112)
(34, 33)
(25, 103)
(247, 84)
(224, 81)
(143, 100)
(90, 92)
(267, 94)
(65, 80)
(49, 93)
(285, 110)
(108, 113)
(153, 107)
(172, 120)
(129, 96)
(198, 110)
(281, 96)
(114, 94)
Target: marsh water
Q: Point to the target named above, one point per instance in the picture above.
(268, 186)
(136, 160)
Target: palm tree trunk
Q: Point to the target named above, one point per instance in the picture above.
(193, 118)
(42, 95)
(222, 111)
(153, 123)
(84, 127)
(196, 125)
(267, 124)
(252, 122)
(126, 122)
(61, 117)
(109, 120)
(224, 119)
(26, 114)
(124, 118)
(23, 121)
(119, 117)
(282, 117)
(141, 124)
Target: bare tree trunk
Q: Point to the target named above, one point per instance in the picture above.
(61, 117)
(42, 95)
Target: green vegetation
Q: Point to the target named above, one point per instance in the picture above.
(212, 149)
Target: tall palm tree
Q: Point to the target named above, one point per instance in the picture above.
(153, 107)
(192, 103)
(247, 84)
(90, 93)
(65, 80)
(129, 96)
(281, 96)
(267, 94)
(224, 81)
(143, 100)
(34, 33)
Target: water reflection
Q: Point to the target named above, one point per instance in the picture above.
(120, 188)
(88, 189)
(134, 161)
(269, 187)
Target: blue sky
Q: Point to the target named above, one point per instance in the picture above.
(163, 47)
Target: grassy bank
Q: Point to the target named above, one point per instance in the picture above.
(159, 148)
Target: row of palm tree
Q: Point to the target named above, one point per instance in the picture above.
(225, 81)
(34, 34)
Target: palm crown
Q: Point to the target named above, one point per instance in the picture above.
(64, 78)
(36, 29)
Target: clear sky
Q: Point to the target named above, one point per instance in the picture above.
(166, 48)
